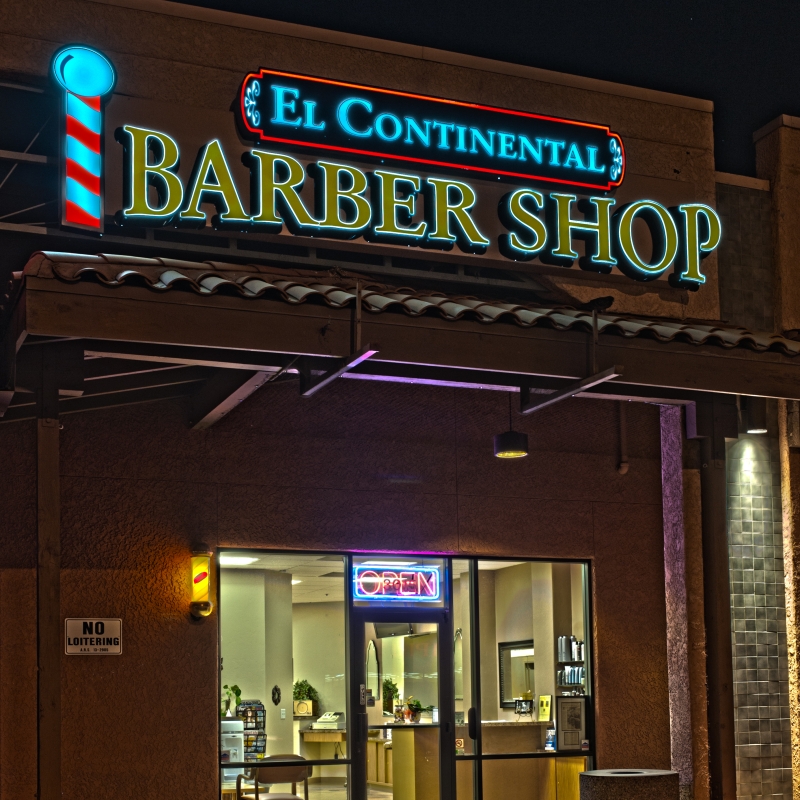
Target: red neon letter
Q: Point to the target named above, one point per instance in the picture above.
(374, 578)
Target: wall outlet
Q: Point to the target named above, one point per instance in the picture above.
(283, 713)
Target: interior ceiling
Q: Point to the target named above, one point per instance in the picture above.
(322, 577)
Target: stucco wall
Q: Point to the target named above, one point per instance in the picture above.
(361, 465)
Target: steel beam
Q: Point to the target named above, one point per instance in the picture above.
(526, 405)
(310, 385)
(221, 394)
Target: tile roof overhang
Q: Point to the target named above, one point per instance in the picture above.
(268, 309)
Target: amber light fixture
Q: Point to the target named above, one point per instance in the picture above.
(511, 444)
(201, 605)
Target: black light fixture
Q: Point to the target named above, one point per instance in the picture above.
(511, 444)
(753, 412)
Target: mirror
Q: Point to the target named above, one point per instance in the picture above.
(458, 663)
(516, 671)
(373, 671)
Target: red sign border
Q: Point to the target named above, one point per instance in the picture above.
(374, 154)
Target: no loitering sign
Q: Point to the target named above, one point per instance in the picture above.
(93, 637)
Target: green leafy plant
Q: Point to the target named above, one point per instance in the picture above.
(390, 693)
(416, 706)
(232, 693)
(303, 690)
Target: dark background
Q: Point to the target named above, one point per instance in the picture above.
(742, 54)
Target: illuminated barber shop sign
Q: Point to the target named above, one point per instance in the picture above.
(387, 582)
(330, 115)
(429, 173)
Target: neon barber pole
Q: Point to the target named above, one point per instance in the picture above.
(86, 77)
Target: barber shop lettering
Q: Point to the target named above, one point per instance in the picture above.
(384, 205)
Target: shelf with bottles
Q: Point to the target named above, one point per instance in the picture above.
(570, 650)
(571, 663)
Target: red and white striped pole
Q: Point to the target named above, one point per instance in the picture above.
(86, 76)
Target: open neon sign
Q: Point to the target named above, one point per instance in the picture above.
(408, 584)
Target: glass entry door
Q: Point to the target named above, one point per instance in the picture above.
(401, 660)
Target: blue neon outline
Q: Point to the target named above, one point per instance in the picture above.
(475, 247)
(294, 225)
(703, 250)
(573, 148)
(308, 116)
(344, 121)
(405, 234)
(157, 214)
(224, 218)
(62, 56)
(281, 105)
(378, 126)
(584, 226)
(638, 206)
(374, 598)
(343, 228)
(507, 240)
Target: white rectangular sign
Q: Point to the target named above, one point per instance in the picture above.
(93, 637)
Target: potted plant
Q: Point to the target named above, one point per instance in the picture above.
(415, 709)
(390, 693)
(232, 693)
(306, 699)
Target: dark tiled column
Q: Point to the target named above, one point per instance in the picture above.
(761, 688)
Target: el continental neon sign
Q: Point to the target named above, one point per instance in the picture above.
(384, 205)
(330, 115)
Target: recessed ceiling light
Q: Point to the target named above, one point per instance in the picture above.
(296, 581)
(236, 561)
(387, 563)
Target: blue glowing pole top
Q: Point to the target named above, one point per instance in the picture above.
(83, 71)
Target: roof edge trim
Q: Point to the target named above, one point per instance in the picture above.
(781, 121)
(741, 180)
(343, 39)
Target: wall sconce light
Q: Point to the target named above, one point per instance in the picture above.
(201, 605)
(511, 444)
(753, 415)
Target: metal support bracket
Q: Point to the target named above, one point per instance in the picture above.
(311, 384)
(526, 405)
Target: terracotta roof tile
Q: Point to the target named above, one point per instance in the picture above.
(338, 291)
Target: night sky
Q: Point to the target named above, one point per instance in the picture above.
(744, 54)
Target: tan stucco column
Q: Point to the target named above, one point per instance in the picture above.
(686, 633)
(790, 498)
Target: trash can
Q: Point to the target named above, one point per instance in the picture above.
(629, 784)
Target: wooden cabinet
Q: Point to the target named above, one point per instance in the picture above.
(379, 762)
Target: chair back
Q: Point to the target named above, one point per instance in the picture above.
(281, 773)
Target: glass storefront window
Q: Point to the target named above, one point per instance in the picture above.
(283, 679)
(402, 677)
(533, 653)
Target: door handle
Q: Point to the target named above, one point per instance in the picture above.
(472, 723)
